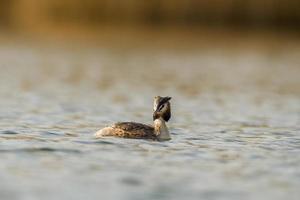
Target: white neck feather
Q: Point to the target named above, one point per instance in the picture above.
(161, 129)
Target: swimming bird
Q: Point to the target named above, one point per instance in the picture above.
(159, 130)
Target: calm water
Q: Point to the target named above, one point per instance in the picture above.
(235, 123)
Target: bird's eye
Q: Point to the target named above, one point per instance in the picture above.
(161, 107)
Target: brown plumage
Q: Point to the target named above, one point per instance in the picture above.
(129, 130)
(133, 130)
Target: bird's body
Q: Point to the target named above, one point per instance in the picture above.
(159, 131)
(128, 130)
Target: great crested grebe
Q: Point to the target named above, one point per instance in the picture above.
(159, 131)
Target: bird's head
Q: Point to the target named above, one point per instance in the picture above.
(162, 108)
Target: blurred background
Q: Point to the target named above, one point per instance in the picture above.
(95, 17)
(263, 30)
(34, 14)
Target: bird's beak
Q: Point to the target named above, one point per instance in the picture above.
(168, 98)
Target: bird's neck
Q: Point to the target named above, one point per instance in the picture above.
(161, 129)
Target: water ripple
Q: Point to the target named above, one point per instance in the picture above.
(40, 149)
(9, 132)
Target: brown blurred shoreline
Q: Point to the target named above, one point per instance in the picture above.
(161, 24)
(221, 13)
(167, 37)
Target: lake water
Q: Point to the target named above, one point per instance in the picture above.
(235, 124)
